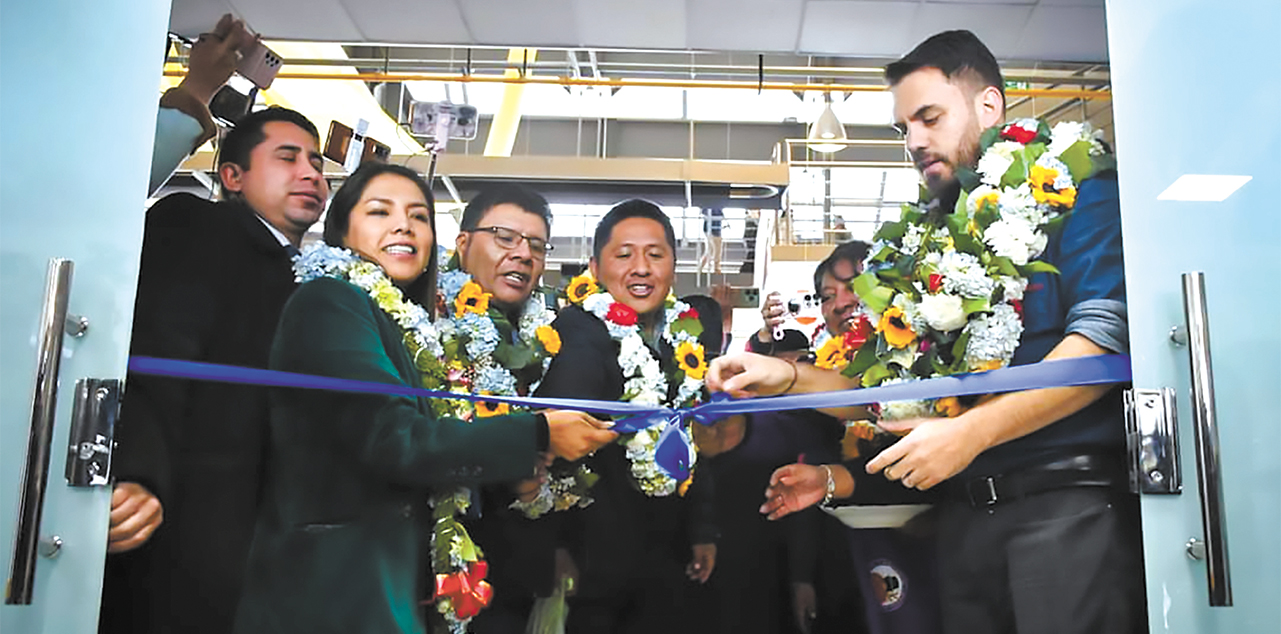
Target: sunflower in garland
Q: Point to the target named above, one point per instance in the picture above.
(898, 332)
(471, 299)
(1042, 180)
(581, 287)
(485, 409)
(549, 338)
(689, 357)
(832, 354)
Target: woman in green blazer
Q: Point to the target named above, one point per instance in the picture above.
(345, 529)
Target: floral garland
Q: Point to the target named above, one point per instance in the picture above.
(942, 293)
(644, 381)
(460, 588)
(482, 352)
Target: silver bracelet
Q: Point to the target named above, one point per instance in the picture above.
(831, 487)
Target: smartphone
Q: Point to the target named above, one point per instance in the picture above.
(745, 296)
(259, 66)
(424, 116)
(340, 136)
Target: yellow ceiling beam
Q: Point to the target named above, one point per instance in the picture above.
(506, 122)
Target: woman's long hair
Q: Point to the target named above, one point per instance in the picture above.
(421, 290)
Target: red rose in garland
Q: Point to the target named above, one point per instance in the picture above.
(622, 314)
(858, 335)
(1017, 133)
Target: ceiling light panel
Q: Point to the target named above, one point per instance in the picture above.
(1203, 187)
(771, 25)
(631, 23)
(536, 23)
(409, 21)
(856, 28)
(1064, 33)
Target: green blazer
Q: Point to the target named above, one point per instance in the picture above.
(340, 543)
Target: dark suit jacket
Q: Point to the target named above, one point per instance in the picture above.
(338, 546)
(211, 286)
(624, 532)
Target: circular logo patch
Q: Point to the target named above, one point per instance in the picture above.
(889, 586)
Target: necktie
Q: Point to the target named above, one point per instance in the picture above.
(292, 250)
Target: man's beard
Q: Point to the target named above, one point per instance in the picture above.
(966, 157)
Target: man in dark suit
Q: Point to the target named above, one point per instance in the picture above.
(212, 282)
(634, 551)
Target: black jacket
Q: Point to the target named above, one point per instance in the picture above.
(211, 286)
(624, 530)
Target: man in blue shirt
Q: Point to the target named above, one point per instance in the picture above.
(1038, 531)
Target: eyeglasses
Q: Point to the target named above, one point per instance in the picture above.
(510, 239)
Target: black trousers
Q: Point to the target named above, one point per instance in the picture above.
(1064, 561)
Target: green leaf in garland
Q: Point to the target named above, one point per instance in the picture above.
(925, 363)
(1038, 266)
(876, 374)
(512, 356)
(863, 359)
(989, 137)
(1017, 173)
(958, 228)
(962, 207)
(968, 178)
(973, 305)
(1005, 265)
(868, 288)
(958, 348)
(1033, 151)
(1042, 131)
(884, 254)
(911, 213)
(468, 550)
(688, 325)
(938, 366)
(891, 231)
(1078, 161)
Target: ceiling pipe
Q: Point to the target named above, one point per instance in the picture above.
(643, 83)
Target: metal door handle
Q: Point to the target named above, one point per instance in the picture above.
(1209, 467)
(53, 319)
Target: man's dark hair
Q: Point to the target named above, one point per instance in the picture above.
(241, 140)
(854, 252)
(505, 194)
(634, 208)
(957, 54)
(337, 220)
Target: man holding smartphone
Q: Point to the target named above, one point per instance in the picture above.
(837, 302)
(184, 121)
(212, 282)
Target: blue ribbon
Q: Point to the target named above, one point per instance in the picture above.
(673, 452)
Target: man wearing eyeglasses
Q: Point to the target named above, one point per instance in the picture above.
(503, 243)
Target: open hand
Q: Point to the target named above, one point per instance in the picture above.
(792, 488)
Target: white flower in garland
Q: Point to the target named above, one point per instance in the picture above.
(932, 278)
(644, 381)
(996, 161)
(993, 337)
(942, 311)
(1016, 239)
(454, 554)
(964, 275)
(1018, 203)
